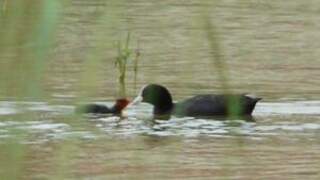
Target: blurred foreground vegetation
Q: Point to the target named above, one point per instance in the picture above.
(29, 43)
(52, 51)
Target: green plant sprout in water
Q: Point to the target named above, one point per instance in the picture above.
(135, 67)
(124, 53)
(121, 63)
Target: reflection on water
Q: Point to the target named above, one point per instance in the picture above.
(178, 148)
(270, 119)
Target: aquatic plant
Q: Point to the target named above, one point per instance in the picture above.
(121, 62)
(135, 66)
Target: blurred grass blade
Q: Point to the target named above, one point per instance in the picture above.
(234, 106)
(26, 35)
(135, 66)
(44, 37)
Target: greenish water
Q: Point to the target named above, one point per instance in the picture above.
(61, 53)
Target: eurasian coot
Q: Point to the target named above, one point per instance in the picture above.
(200, 105)
(116, 109)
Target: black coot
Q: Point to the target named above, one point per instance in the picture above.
(116, 109)
(200, 105)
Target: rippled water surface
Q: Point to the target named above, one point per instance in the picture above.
(282, 142)
(271, 49)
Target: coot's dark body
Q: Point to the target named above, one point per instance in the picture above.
(216, 105)
(97, 109)
(200, 105)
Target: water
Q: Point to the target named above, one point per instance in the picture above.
(282, 142)
(270, 48)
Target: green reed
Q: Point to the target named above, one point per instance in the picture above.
(220, 65)
(27, 32)
(136, 65)
(121, 62)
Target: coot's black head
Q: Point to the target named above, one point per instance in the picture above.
(158, 96)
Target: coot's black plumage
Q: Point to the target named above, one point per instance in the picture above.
(116, 109)
(200, 105)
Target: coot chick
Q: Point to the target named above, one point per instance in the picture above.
(116, 109)
(208, 105)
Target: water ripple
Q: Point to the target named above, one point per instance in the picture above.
(271, 119)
